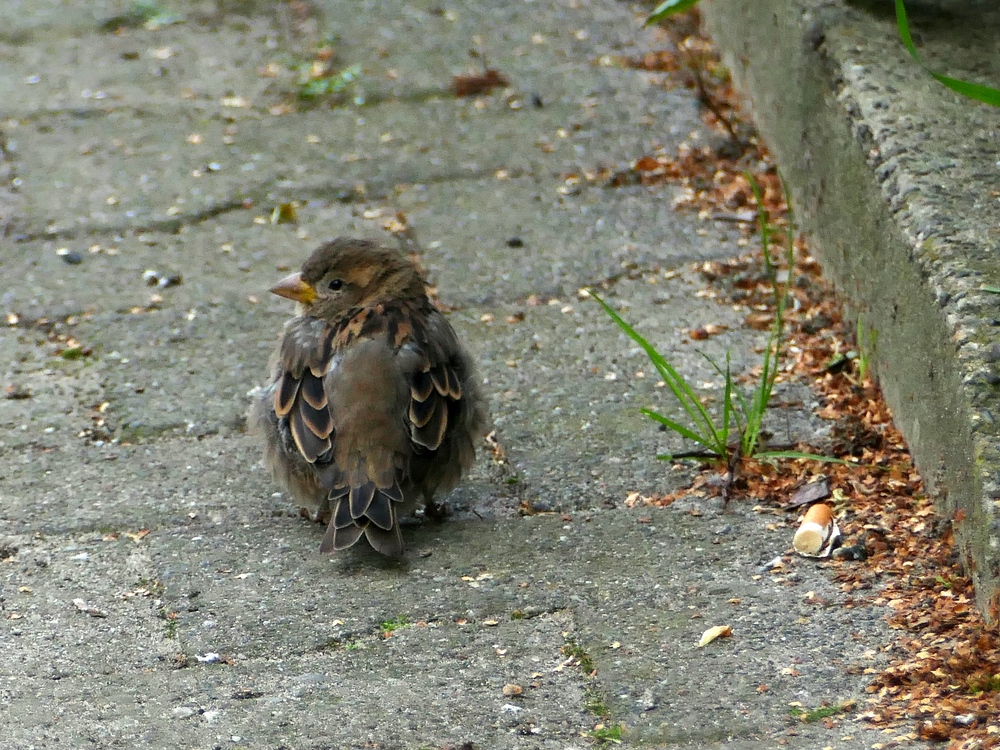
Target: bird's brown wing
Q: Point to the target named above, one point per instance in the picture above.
(300, 395)
(446, 414)
(435, 374)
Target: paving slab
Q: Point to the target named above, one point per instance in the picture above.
(492, 604)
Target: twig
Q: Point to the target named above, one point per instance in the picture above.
(735, 459)
(705, 96)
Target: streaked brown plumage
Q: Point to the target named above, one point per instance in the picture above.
(372, 400)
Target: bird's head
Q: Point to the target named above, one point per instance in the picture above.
(349, 273)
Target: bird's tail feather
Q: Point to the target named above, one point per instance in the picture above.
(368, 510)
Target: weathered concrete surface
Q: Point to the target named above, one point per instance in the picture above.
(896, 178)
(167, 150)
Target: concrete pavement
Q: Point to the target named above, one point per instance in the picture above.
(155, 588)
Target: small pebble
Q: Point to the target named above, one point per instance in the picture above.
(173, 279)
(855, 552)
(515, 242)
(771, 564)
(69, 256)
(16, 391)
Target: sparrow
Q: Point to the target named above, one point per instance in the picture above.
(372, 402)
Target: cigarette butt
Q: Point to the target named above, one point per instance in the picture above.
(819, 513)
(815, 531)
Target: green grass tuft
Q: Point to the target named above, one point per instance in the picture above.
(809, 716)
(574, 650)
(984, 684)
(608, 734)
(397, 623)
(594, 703)
(326, 86)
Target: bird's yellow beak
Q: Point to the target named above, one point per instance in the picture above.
(294, 288)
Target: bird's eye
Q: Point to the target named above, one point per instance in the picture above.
(335, 285)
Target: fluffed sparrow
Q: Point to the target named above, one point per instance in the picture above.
(372, 401)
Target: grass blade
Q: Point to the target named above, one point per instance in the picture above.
(763, 224)
(678, 386)
(727, 402)
(985, 94)
(734, 413)
(677, 427)
(669, 8)
(761, 397)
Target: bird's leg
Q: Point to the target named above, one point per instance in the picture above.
(320, 515)
(433, 510)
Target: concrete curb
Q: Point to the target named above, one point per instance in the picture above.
(892, 175)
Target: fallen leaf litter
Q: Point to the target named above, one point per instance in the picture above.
(942, 682)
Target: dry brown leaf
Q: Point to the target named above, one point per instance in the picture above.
(478, 83)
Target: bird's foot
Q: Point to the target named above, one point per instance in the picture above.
(436, 511)
(321, 516)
